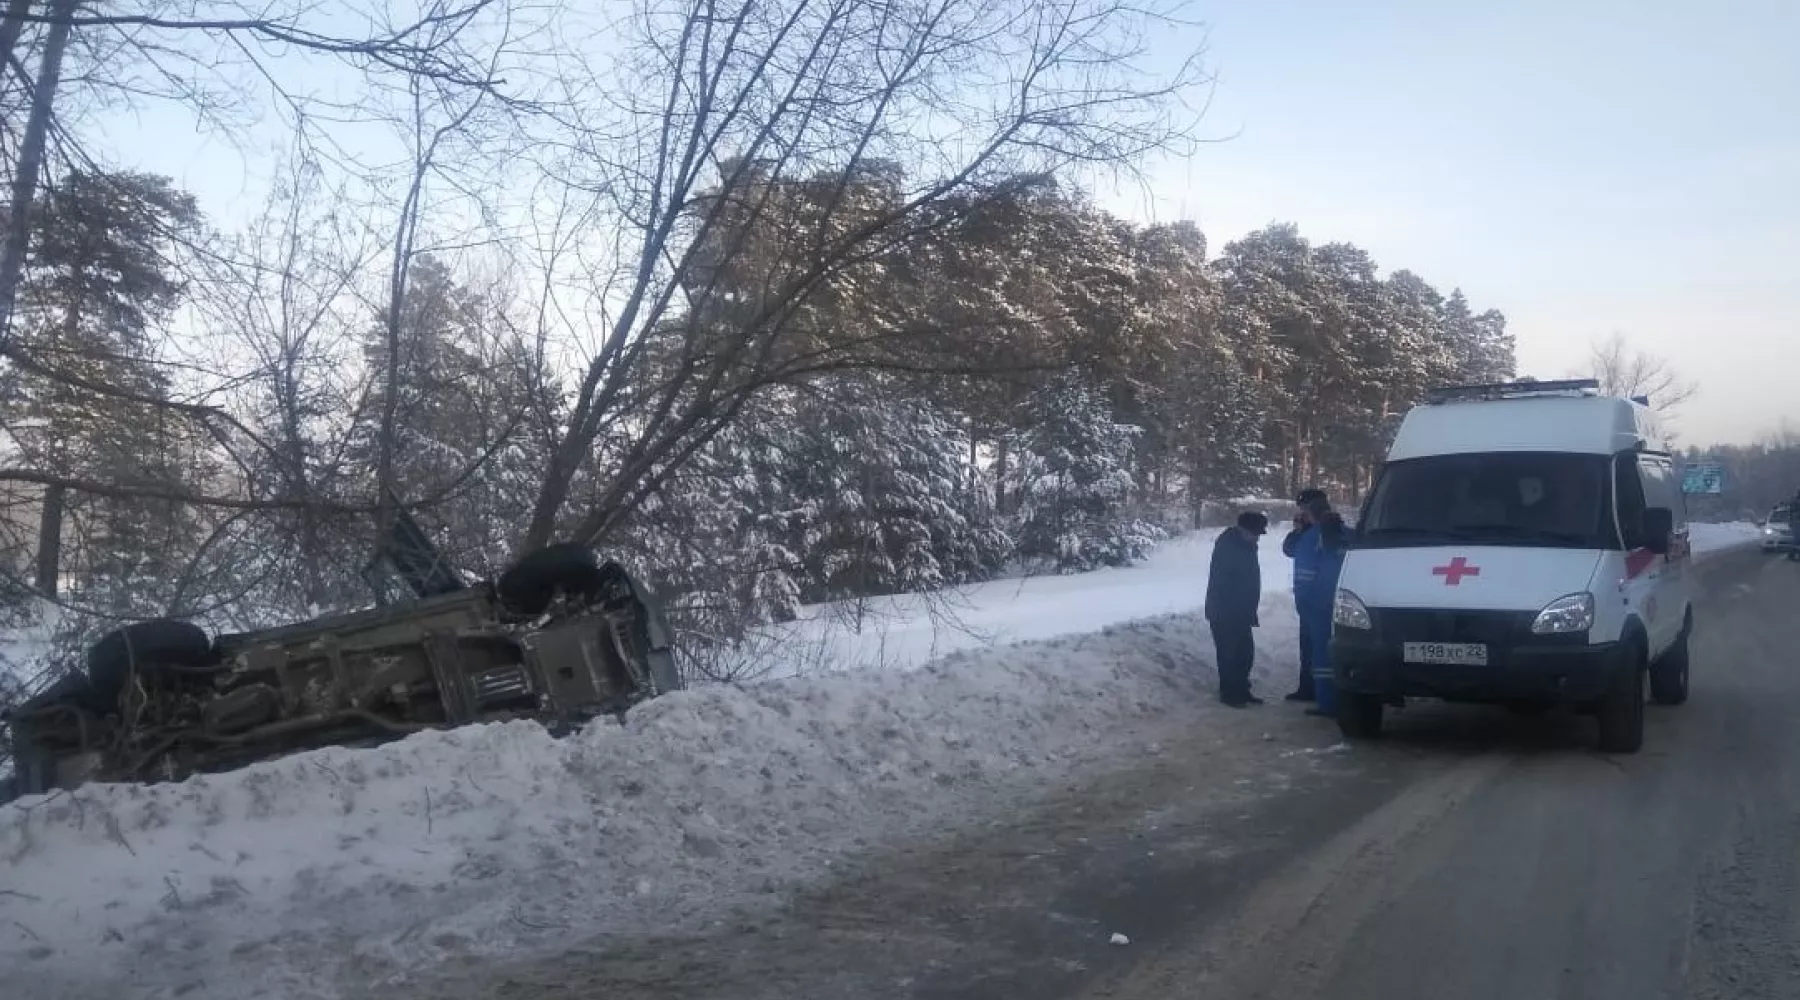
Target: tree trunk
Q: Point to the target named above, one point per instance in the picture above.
(49, 550)
(974, 471)
(10, 29)
(31, 163)
(1000, 455)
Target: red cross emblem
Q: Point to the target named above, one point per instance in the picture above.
(1453, 574)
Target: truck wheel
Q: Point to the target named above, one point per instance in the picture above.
(1669, 674)
(1621, 712)
(144, 645)
(534, 581)
(1359, 715)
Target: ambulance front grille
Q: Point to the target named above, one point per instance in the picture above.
(1495, 628)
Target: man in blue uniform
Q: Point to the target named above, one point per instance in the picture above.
(1303, 689)
(1318, 560)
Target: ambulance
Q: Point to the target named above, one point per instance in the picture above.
(1525, 545)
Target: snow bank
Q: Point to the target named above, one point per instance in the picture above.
(357, 865)
(910, 630)
(1709, 538)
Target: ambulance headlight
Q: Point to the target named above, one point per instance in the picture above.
(1572, 613)
(1348, 611)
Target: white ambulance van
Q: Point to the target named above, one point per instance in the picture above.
(1524, 544)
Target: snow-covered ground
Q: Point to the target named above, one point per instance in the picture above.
(1719, 537)
(365, 863)
(910, 630)
(290, 878)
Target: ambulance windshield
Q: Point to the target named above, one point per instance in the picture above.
(1503, 498)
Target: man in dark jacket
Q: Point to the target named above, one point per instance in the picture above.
(1233, 590)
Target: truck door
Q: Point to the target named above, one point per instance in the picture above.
(1662, 488)
(1642, 571)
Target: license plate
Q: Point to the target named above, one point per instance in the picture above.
(1453, 654)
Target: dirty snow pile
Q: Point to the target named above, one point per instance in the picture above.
(352, 866)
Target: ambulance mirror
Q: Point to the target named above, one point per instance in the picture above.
(1659, 529)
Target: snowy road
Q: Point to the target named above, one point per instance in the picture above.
(1473, 855)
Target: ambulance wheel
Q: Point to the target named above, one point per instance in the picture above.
(1359, 715)
(1621, 712)
(1669, 675)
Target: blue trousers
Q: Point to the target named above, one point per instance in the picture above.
(1315, 631)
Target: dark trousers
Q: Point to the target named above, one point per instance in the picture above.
(1235, 645)
(1305, 689)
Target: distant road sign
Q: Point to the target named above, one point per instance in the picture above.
(1705, 478)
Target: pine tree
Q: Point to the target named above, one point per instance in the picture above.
(1483, 348)
(1073, 482)
(883, 475)
(469, 403)
(84, 397)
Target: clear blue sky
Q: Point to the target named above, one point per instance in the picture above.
(1587, 166)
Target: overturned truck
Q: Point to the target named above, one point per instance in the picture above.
(561, 637)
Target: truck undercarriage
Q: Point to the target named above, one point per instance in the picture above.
(560, 638)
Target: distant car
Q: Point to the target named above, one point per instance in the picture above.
(1778, 530)
(560, 637)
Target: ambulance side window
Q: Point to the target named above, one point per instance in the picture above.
(1628, 493)
(1661, 489)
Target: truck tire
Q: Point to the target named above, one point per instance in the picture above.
(1669, 674)
(1621, 712)
(528, 587)
(144, 646)
(1359, 715)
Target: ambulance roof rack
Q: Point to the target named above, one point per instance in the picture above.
(1521, 389)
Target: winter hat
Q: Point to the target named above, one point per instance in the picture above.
(1254, 522)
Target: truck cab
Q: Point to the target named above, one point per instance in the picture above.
(1524, 544)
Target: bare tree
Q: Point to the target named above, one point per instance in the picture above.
(283, 297)
(449, 131)
(1622, 370)
(721, 112)
(31, 150)
(151, 42)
